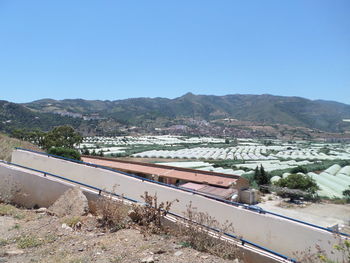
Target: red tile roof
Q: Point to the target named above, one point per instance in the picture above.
(186, 175)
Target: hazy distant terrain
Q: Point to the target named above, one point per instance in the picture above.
(89, 114)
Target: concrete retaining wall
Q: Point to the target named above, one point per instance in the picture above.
(278, 234)
(30, 188)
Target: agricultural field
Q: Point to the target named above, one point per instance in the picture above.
(327, 163)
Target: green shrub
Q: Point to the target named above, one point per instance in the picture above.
(65, 152)
(346, 194)
(298, 181)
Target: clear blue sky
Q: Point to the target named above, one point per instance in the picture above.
(120, 49)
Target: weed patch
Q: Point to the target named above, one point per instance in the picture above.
(149, 216)
(9, 210)
(73, 222)
(28, 241)
(195, 233)
(112, 214)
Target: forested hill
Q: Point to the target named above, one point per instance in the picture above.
(17, 116)
(269, 109)
(95, 115)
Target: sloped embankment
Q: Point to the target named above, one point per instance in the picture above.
(7, 144)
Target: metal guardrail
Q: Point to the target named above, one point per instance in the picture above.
(68, 180)
(241, 240)
(237, 204)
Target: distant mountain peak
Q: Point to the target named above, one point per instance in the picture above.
(188, 94)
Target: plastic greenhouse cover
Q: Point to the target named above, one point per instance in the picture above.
(333, 169)
(345, 170)
(331, 186)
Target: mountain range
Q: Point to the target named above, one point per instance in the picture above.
(263, 109)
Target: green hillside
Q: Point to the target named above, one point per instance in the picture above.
(269, 109)
(14, 116)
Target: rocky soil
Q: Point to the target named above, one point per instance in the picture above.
(38, 236)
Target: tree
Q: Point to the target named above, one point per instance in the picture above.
(34, 136)
(299, 181)
(65, 152)
(62, 136)
(85, 151)
(18, 133)
(260, 176)
(234, 142)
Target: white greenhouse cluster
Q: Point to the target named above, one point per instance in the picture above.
(333, 181)
(149, 140)
(272, 165)
(210, 153)
(312, 154)
(246, 155)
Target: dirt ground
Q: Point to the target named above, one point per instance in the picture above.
(33, 236)
(324, 214)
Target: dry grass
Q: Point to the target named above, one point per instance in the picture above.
(28, 241)
(115, 214)
(112, 213)
(43, 239)
(7, 145)
(150, 215)
(195, 233)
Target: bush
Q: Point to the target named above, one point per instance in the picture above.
(346, 194)
(65, 152)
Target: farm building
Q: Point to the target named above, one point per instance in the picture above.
(176, 175)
